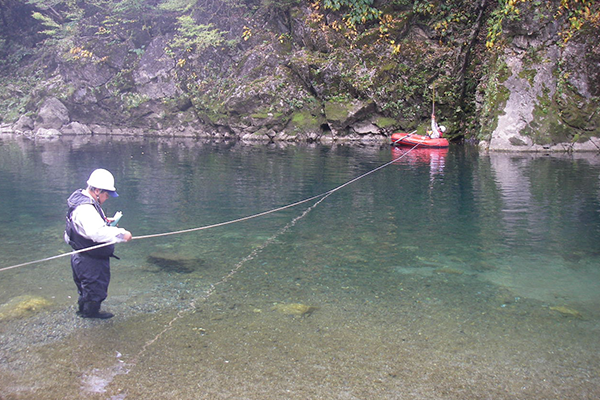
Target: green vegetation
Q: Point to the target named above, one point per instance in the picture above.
(358, 11)
(579, 14)
(193, 36)
(496, 96)
(296, 60)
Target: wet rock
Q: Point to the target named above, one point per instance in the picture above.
(24, 124)
(47, 133)
(6, 128)
(76, 128)
(365, 128)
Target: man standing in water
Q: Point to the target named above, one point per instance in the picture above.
(88, 226)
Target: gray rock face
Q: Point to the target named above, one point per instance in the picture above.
(52, 115)
(550, 104)
(542, 113)
(342, 116)
(518, 112)
(24, 124)
(153, 76)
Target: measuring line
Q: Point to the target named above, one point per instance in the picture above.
(123, 368)
(324, 194)
(213, 286)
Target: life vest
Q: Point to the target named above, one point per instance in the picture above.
(77, 241)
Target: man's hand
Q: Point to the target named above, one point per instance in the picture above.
(127, 236)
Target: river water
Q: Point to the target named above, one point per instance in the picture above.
(444, 275)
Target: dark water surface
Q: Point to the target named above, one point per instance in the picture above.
(445, 275)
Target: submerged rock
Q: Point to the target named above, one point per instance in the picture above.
(567, 312)
(174, 262)
(23, 306)
(294, 309)
(448, 270)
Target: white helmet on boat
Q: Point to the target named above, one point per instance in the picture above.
(442, 128)
(103, 179)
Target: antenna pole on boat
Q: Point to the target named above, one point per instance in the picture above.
(433, 100)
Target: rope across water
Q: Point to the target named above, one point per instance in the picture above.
(274, 210)
(212, 288)
(125, 368)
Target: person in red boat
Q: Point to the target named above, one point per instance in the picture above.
(437, 131)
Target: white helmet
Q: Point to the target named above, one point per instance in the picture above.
(103, 179)
(442, 128)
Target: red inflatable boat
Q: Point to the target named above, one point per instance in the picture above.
(411, 139)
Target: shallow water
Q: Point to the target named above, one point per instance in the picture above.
(445, 275)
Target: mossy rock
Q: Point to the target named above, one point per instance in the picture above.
(576, 112)
(337, 111)
(23, 306)
(385, 122)
(503, 72)
(528, 75)
(305, 121)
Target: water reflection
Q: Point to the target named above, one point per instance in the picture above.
(547, 222)
(435, 158)
(518, 217)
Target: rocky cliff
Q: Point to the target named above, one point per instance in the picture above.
(542, 92)
(305, 71)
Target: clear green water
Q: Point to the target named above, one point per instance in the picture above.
(442, 276)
